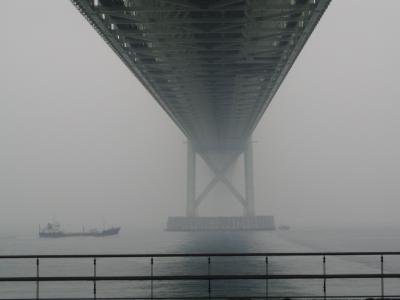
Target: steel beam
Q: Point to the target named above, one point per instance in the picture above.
(249, 179)
(191, 210)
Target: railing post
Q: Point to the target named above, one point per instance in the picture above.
(266, 278)
(209, 280)
(37, 278)
(151, 274)
(94, 278)
(382, 283)
(324, 271)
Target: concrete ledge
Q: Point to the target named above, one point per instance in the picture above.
(220, 223)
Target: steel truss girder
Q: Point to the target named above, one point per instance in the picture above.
(213, 65)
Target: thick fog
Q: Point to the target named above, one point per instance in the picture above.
(83, 142)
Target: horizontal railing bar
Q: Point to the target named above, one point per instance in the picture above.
(218, 297)
(231, 254)
(199, 277)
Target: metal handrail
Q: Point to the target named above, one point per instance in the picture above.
(209, 276)
(200, 277)
(205, 254)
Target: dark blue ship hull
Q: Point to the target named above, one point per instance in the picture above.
(61, 234)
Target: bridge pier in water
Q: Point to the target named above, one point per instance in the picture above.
(192, 221)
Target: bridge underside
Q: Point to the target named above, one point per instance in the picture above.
(213, 66)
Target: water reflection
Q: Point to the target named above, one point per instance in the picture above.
(218, 242)
(162, 242)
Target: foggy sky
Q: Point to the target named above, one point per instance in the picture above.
(82, 140)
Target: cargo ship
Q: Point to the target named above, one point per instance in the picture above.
(53, 230)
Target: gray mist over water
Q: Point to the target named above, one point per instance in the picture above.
(82, 141)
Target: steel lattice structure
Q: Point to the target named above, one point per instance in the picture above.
(213, 65)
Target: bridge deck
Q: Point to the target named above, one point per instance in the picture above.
(213, 65)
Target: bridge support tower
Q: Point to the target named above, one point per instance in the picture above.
(194, 201)
(192, 222)
(191, 208)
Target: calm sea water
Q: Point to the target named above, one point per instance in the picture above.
(151, 241)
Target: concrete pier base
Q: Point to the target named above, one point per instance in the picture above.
(251, 223)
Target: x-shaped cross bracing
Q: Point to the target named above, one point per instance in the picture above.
(220, 176)
(193, 200)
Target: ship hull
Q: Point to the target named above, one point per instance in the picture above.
(107, 232)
